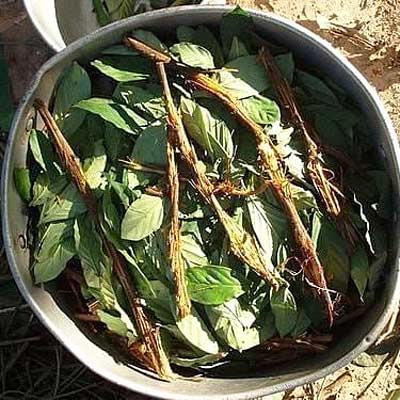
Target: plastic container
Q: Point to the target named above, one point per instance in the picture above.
(306, 46)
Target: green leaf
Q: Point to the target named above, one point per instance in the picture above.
(102, 15)
(303, 199)
(185, 33)
(238, 49)
(233, 325)
(110, 213)
(302, 323)
(114, 141)
(117, 114)
(196, 361)
(121, 8)
(94, 166)
(333, 134)
(23, 183)
(119, 50)
(384, 185)
(237, 23)
(212, 285)
(251, 78)
(236, 86)
(316, 88)
(67, 204)
(360, 269)
(147, 100)
(262, 110)
(192, 252)
(284, 308)
(376, 270)
(56, 247)
(43, 153)
(124, 68)
(151, 146)
(209, 132)
(143, 217)
(150, 39)
(120, 325)
(196, 333)
(74, 86)
(205, 38)
(96, 266)
(267, 326)
(162, 303)
(269, 224)
(193, 55)
(43, 189)
(332, 252)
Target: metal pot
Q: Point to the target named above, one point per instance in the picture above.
(306, 46)
(60, 22)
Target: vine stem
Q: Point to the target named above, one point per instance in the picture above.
(241, 243)
(271, 163)
(152, 355)
(174, 244)
(322, 177)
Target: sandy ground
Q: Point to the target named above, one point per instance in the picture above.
(367, 32)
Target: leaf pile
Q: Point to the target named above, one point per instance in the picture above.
(177, 149)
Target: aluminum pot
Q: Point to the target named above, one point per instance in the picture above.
(60, 22)
(306, 46)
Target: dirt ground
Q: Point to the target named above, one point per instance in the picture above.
(368, 33)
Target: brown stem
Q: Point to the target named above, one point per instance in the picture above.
(155, 358)
(87, 317)
(280, 186)
(273, 167)
(242, 244)
(174, 244)
(321, 176)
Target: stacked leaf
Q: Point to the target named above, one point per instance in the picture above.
(202, 185)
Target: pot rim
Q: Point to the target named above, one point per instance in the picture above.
(392, 295)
